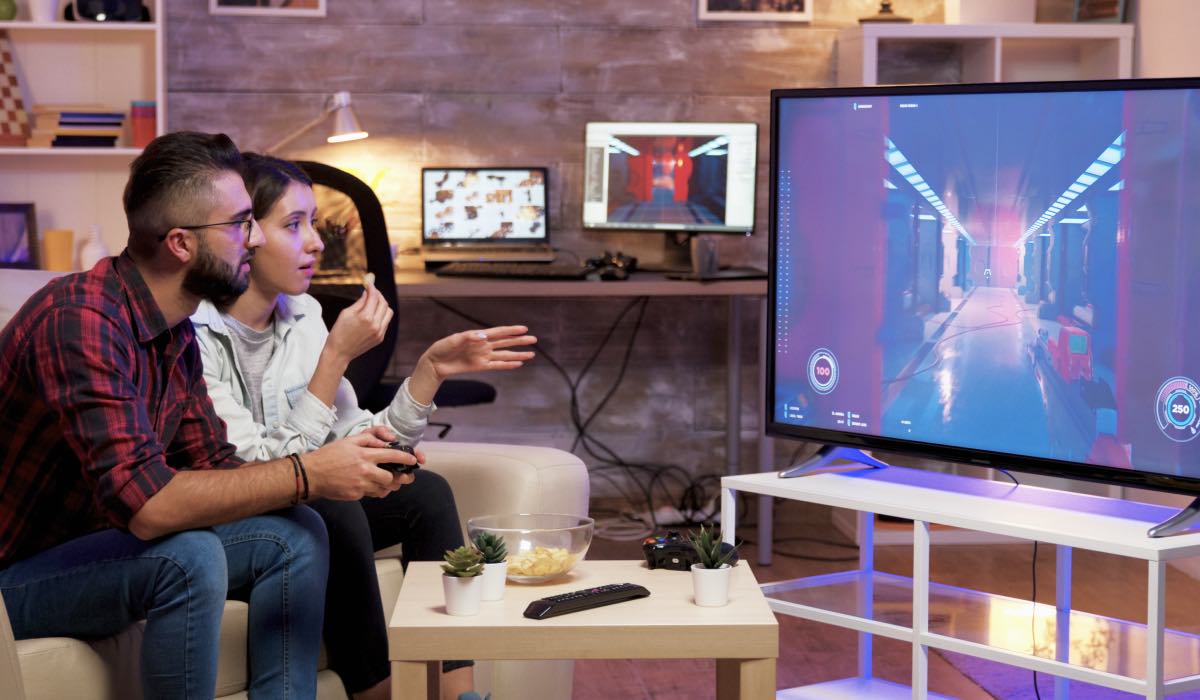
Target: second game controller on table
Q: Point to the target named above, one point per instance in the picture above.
(398, 467)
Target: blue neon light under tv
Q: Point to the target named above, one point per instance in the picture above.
(1004, 274)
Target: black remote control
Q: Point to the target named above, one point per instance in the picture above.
(585, 599)
(397, 467)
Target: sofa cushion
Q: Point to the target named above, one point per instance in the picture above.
(44, 660)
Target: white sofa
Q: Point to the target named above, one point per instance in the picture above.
(486, 478)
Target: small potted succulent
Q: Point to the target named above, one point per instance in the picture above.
(462, 581)
(710, 576)
(495, 566)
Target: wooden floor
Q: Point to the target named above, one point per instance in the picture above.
(810, 652)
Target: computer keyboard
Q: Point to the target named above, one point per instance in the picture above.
(514, 270)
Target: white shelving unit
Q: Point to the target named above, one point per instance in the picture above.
(997, 52)
(1144, 659)
(105, 63)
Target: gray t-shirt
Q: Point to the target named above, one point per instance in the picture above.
(253, 350)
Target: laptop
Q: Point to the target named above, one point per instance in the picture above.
(485, 214)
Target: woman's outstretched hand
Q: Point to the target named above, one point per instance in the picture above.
(479, 351)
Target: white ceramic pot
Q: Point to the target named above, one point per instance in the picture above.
(462, 594)
(43, 10)
(711, 586)
(494, 576)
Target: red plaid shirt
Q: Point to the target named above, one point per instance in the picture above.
(100, 404)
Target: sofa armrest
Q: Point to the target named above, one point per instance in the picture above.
(11, 685)
(491, 479)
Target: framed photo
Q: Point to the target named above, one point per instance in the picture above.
(277, 8)
(18, 236)
(1099, 11)
(756, 10)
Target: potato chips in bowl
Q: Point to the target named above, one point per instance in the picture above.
(541, 546)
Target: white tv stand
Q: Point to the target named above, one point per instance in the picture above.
(876, 603)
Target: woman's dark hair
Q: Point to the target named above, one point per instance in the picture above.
(267, 178)
(170, 184)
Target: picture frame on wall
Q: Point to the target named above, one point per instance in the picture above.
(756, 10)
(1099, 11)
(276, 8)
(18, 235)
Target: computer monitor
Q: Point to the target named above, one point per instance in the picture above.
(499, 205)
(1000, 274)
(681, 178)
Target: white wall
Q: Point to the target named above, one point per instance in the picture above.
(1165, 45)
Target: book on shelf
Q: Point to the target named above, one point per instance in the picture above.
(77, 126)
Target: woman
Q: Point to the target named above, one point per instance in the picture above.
(275, 376)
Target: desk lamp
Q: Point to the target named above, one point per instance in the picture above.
(345, 124)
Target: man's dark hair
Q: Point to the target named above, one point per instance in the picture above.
(170, 184)
(267, 178)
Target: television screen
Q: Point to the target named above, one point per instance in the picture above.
(499, 204)
(1003, 274)
(670, 177)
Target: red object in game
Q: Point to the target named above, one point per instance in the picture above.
(1071, 353)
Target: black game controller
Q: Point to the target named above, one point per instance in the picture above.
(671, 551)
(397, 467)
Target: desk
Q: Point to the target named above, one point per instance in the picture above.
(742, 636)
(414, 284)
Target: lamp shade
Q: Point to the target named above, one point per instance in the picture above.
(345, 126)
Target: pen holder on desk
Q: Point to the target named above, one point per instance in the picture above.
(704, 256)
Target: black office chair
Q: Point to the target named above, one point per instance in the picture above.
(366, 372)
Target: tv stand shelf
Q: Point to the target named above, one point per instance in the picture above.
(1144, 659)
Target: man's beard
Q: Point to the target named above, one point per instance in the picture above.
(214, 279)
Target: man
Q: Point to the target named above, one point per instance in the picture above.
(120, 498)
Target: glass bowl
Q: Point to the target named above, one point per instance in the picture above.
(541, 546)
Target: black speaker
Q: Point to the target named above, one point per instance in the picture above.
(107, 11)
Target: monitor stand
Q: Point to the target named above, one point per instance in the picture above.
(1178, 523)
(823, 461)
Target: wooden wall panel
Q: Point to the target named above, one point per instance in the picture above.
(479, 82)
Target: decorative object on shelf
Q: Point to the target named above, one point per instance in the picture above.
(18, 235)
(58, 250)
(93, 249)
(989, 11)
(8, 10)
(345, 126)
(44, 10)
(106, 11)
(279, 8)
(1099, 11)
(756, 10)
(885, 14)
(14, 122)
(143, 122)
(462, 580)
(710, 575)
(495, 568)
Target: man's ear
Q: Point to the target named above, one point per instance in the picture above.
(182, 244)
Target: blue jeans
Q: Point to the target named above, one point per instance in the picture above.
(98, 584)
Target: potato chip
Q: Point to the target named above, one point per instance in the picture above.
(369, 280)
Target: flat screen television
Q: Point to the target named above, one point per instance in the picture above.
(1003, 274)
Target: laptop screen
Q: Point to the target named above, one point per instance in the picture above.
(493, 205)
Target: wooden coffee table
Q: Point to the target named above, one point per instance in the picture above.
(742, 636)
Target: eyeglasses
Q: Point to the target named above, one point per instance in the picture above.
(245, 225)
